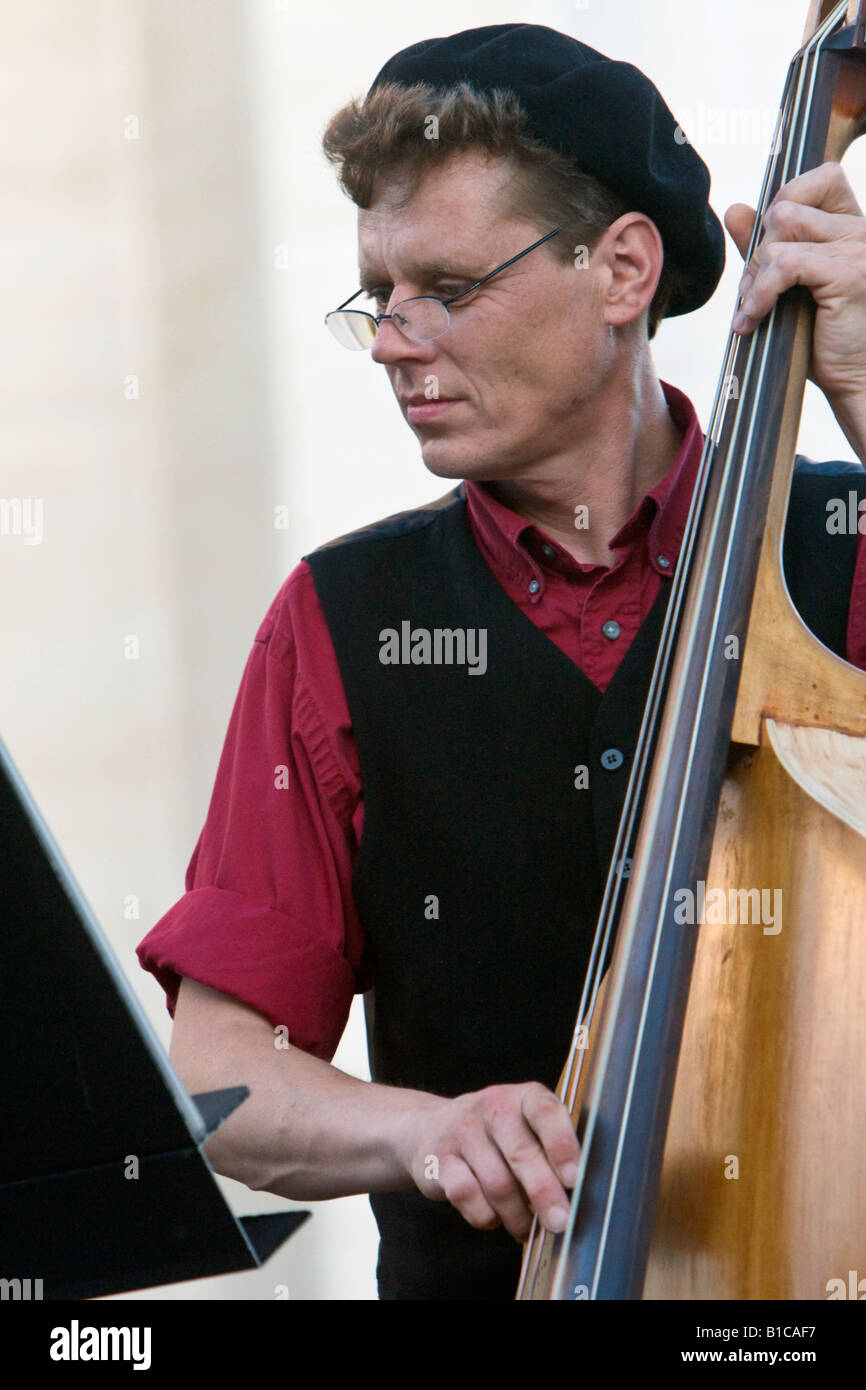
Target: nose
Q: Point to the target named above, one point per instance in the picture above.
(390, 345)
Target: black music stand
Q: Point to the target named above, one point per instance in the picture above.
(90, 1097)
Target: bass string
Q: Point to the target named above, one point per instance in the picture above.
(806, 69)
(613, 890)
(573, 1071)
(636, 787)
(614, 885)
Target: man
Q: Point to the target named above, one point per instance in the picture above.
(463, 682)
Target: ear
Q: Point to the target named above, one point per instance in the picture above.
(635, 256)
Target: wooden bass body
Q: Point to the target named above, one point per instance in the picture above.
(762, 1193)
(763, 1188)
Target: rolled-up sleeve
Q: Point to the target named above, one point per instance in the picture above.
(268, 915)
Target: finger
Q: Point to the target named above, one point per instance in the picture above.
(527, 1160)
(739, 220)
(541, 1148)
(825, 187)
(549, 1120)
(819, 268)
(824, 190)
(463, 1190)
(500, 1187)
(777, 225)
(786, 220)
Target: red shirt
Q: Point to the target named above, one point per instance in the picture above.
(268, 915)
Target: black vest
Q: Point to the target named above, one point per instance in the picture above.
(483, 856)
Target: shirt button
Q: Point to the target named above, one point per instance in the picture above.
(548, 549)
(611, 759)
(611, 629)
(534, 586)
(663, 562)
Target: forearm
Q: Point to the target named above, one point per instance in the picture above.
(308, 1131)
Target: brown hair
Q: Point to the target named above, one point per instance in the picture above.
(387, 132)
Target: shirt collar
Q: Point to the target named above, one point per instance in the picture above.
(512, 540)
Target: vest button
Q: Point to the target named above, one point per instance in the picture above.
(534, 586)
(663, 561)
(548, 549)
(611, 759)
(611, 629)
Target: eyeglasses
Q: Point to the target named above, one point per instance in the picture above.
(421, 319)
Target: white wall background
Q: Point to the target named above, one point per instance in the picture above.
(167, 381)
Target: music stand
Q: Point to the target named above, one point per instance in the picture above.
(103, 1185)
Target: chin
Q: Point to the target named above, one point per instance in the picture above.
(457, 459)
(444, 462)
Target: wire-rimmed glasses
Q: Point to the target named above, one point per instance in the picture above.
(421, 318)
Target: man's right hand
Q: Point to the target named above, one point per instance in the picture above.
(310, 1132)
(499, 1155)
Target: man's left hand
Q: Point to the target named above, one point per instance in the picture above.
(814, 234)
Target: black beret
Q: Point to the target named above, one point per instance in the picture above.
(605, 115)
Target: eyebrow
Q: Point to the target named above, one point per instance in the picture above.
(425, 272)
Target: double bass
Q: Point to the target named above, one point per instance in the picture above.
(717, 1072)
